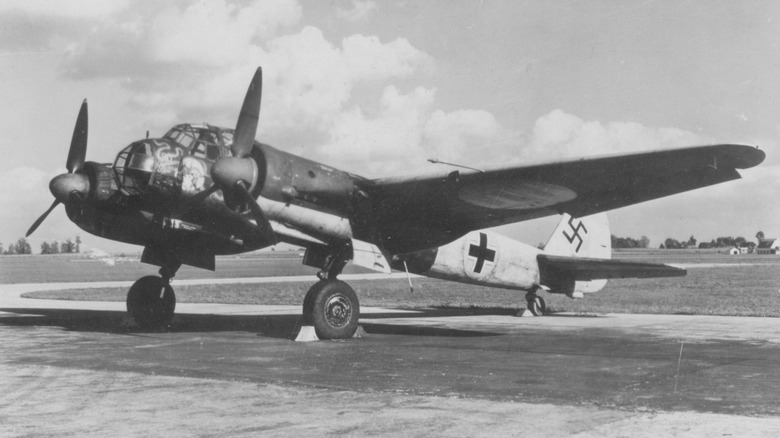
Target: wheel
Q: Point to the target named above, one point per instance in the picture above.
(151, 302)
(333, 308)
(537, 306)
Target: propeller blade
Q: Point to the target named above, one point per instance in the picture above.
(246, 127)
(41, 219)
(262, 222)
(78, 145)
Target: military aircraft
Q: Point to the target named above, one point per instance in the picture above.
(202, 191)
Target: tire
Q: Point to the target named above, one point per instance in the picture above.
(146, 307)
(333, 308)
(537, 306)
(308, 302)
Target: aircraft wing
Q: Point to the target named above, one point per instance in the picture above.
(586, 269)
(426, 211)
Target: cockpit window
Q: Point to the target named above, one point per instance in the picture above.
(199, 150)
(208, 136)
(134, 166)
(183, 137)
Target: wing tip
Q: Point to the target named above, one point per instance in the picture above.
(741, 156)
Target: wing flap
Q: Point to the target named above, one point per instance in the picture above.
(586, 269)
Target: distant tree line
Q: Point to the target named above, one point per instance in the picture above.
(670, 243)
(720, 242)
(727, 242)
(629, 242)
(692, 242)
(22, 246)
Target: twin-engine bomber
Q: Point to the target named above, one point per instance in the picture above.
(202, 191)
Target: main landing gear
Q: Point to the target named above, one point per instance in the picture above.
(331, 305)
(536, 304)
(151, 301)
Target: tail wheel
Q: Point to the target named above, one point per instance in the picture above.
(537, 306)
(333, 308)
(151, 302)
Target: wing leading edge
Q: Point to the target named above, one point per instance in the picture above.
(426, 211)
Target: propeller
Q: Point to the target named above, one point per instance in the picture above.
(237, 176)
(65, 185)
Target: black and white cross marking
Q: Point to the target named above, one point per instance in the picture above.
(575, 233)
(482, 253)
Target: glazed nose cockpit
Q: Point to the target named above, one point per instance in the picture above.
(178, 162)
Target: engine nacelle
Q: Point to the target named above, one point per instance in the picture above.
(479, 257)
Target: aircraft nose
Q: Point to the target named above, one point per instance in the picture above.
(63, 185)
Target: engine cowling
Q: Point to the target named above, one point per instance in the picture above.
(101, 180)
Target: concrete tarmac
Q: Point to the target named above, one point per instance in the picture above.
(73, 369)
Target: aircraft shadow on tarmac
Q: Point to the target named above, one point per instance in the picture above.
(274, 326)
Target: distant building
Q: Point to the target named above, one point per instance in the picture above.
(768, 246)
(736, 250)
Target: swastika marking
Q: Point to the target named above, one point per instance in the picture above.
(575, 233)
(482, 253)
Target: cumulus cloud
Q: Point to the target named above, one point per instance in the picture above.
(360, 10)
(32, 25)
(162, 41)
(562, 135)
(384, 144)
(215, 33)
(407, 130)
(313, 79)
(193, 62)
(463, 135)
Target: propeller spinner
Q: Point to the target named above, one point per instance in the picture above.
(66, 185)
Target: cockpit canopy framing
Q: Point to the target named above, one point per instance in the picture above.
(170, 163)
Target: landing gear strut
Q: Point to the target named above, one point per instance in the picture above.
(536, 303)
(151, 301)
(331, 305)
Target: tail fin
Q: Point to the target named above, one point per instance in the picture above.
(586, 237)
(576, 259)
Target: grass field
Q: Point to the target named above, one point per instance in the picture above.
(716, 284)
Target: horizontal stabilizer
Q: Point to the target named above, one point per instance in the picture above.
(585, 269)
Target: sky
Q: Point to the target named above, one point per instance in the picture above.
(377, 87)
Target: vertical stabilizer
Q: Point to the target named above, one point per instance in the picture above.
(586, 237)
